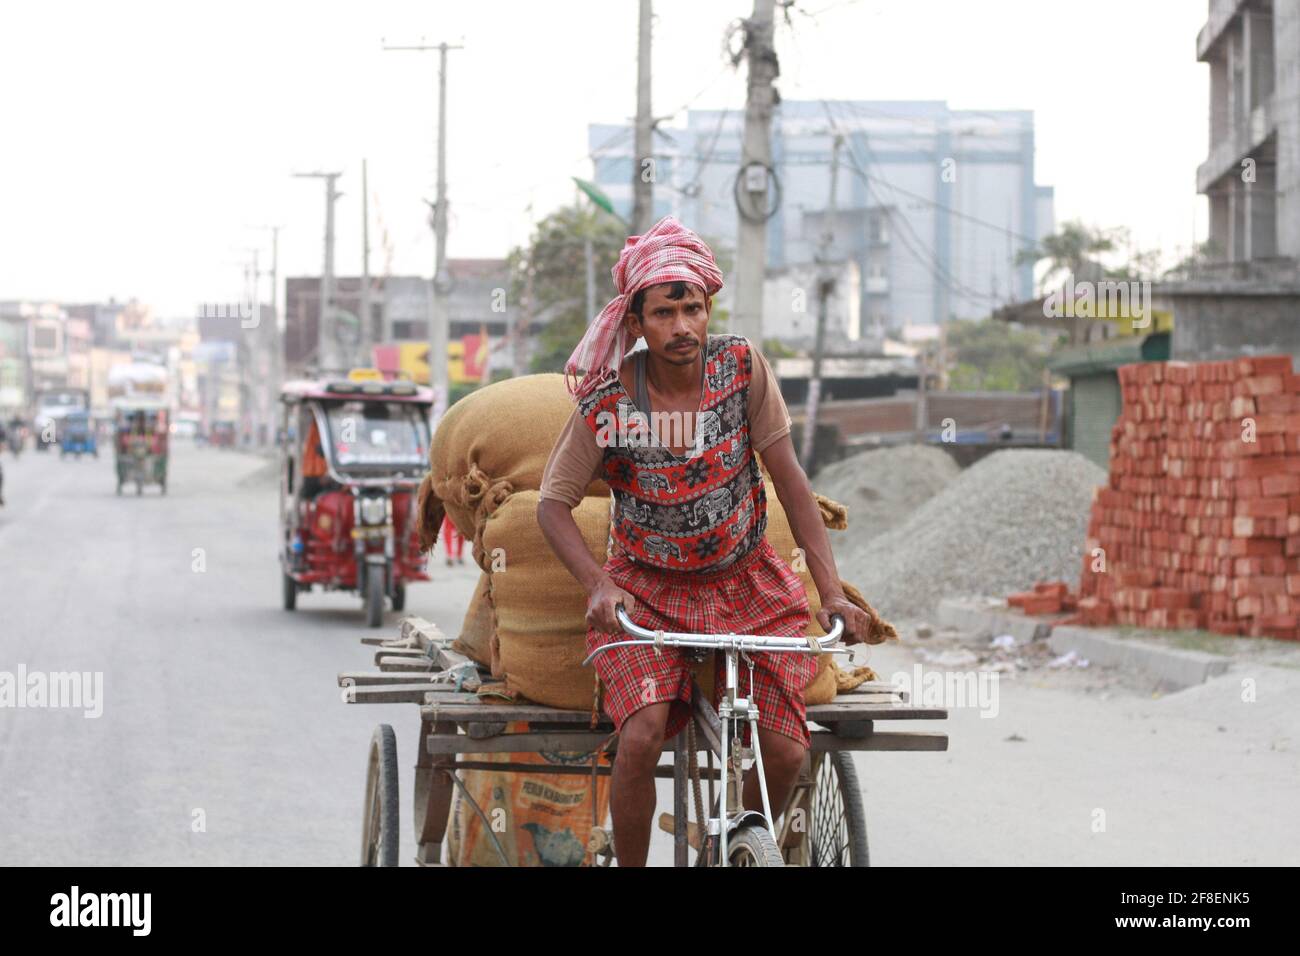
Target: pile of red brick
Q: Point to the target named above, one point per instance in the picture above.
(1199, 525)
(1047, 597)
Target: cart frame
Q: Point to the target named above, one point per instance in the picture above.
(420, 667)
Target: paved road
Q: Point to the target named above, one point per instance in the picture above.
(217, 700)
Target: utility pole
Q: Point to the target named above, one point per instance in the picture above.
(825, 285)
(276, 336)
(522, 324)
(327, 337)
(438, 311)
(588, 257)
(643, 203)
(755, 171)
(364, 334)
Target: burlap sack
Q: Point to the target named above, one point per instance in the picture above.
(823, 688)
(495, 442)
(539, 819)
(479, 628)
(541, 610)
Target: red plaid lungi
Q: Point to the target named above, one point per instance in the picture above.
(758, 594)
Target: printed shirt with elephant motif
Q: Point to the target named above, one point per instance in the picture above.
(701, 510)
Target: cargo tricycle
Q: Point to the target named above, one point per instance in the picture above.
(823, 822)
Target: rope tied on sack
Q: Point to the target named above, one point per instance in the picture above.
(483, 495)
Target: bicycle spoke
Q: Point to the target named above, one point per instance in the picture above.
(828, 829)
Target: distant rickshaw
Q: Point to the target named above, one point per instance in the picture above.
(140, 442)
(77, 436)
(221, 435)
(347, 488)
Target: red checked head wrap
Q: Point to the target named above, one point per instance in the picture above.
(668, 252)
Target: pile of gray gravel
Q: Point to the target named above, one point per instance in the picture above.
(1013, 518)
(882, 487)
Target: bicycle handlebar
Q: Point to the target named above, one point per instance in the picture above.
(721, 642)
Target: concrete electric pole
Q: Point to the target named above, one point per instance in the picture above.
(755, 186)
(438, 305)
(328, 352)
(825, 286)
(364, 333)
(643, 167)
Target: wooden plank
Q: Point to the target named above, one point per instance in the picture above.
(449, 695)
(865, 699)
(585, 741)
(387, 662)
(376, 678)
(389, 694)
(873, 687)
(397, 653)
(661, 772)
(466, 711)
(688, 834)
(851, 728)
(570, 742)
(423, 634)
(450, 705)
(882, 740)
(848, 711)
(446, 658)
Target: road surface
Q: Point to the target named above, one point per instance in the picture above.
(223, 739)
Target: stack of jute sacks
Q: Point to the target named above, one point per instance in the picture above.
(1200, 523)
(527, 618)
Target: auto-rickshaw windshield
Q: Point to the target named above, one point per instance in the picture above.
(378, 433)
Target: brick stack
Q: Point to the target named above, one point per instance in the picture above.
(1199, 525)
(1047, 597)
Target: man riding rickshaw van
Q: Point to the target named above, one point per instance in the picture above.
(356, 452)
(140, 445)
(77, 436)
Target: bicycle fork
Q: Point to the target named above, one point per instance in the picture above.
(734, 707)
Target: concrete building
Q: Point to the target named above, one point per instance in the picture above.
(1252, 174)
(400, 306)
(1245, 298)
(933, 203)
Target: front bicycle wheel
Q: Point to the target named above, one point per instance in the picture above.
(753, 845)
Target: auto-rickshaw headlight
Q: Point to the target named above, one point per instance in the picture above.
(374, 510)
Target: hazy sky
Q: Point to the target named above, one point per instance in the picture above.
(142, 143)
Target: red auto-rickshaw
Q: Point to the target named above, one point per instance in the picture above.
(355, 453)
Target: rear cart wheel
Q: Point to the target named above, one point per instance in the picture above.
(399, 597)
(290, 587)
(381, 833)
(837, 828)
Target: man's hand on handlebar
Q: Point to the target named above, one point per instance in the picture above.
(602, 601)
(857, 622)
